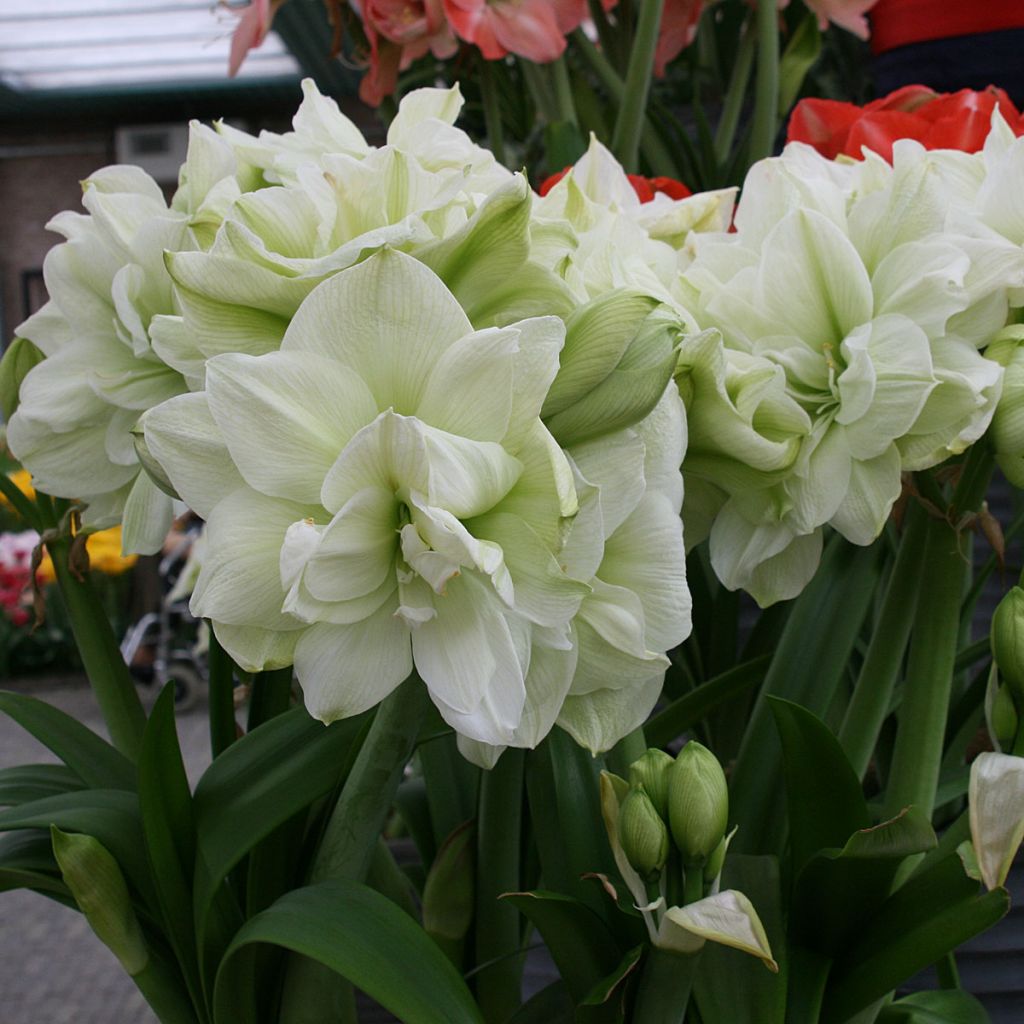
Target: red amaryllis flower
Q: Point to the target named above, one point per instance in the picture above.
(399, 32)
(959, 120)
(534, 29)
(645, 188)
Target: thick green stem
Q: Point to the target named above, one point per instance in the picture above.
(563, 91)
(872, 694)
(664, 990)
(766, 99)
(101, 656)
(628, 125)
(221, 689)
(271, 696)
(729, 120)
(165, 993)
(499, 828)
(492, 111)
(806, 996)
(22, 505)
(693, 883)
(917, 756)
(653, 149)
(313, 993)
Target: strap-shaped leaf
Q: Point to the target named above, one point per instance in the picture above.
(362, 936)
(949, 1006)
(165, 803)
(551, 1005)
(109, 815)
(27, 782)
(94, 760)
(27, 862)
(823, 794)
(581, 945)
(921, 922)
(258, 783)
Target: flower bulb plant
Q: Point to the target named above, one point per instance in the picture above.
(482, 469)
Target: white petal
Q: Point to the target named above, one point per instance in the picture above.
(728, 918)
(996, 801)
(147, 517)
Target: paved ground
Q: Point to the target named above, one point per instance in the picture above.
(53, 969)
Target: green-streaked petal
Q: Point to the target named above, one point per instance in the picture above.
(996, 800)
(343, 670)
(870, 495)
(147, 517)
(285, 417)
(615, 465)
(183, 437)
(389, 319)
(599, 719)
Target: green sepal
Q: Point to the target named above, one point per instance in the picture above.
(20, 357)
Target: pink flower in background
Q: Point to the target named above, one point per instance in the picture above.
(252, 28)
(678, 28)
(848, 14)
(15, 572)
(534, 29)
(399, 32)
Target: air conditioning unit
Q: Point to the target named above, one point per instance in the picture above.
(159, 149)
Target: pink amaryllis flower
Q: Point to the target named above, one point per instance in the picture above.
(678, 28)
(534, 29)
(848, 14)
(252, 28)
(399, 32)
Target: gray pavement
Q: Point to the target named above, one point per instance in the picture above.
(53, 969)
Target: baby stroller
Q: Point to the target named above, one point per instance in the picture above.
(168, 643)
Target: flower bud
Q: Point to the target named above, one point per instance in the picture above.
(652, 771)
(20, 357)
(1008, 642)
(99, 889)
(619, 355)
(642, 833)
(698, 802)
(1007, 427)
(1001, 716)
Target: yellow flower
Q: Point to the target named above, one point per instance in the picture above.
(104, 556)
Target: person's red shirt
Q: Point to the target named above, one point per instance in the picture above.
(903, 22)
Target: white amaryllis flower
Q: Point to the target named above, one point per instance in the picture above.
(594, 231)
(430, 191)
(108, 293)
(381, 494)
(849, 283)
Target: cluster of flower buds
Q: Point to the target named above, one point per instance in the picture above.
(1004, 704)
(675, 816)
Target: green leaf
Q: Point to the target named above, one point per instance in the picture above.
(20, 357)
(26, 862)
(687, 711)
(111, 816)
(579, 941)
(551, 1005)
(921, 922)
(27, 782)
(362, 936)
(798, 58)
(952, 1006)
(94, 760)
(255, 785)
(563, 144)
(606, 1001)
(839, 891)
(808, 665)
(165, 803)
(732, 987)
(823, 794)
(448, 892)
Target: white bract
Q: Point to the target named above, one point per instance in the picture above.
(109, 292)
(996, 799)
(850, 306)
(381, 494)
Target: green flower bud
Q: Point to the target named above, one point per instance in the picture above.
(1007, 427)
(20, 357)
(651, 771)
(148, 462)
(642, 833)
(619, 355)
(99, 889)
(1008, 642)
(698, 803)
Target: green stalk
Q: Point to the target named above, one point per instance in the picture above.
(872, 694)
(221, 690)
(917, 755)
(499, 830)
(693, 883)
(271, 696)
(313, 993)
(628, 125)
(810, 972)
(664, 989)
(22, 505)
(654, 150)
(766, 96)
(563, 91)
(492, 111)
(164, 991)
(729, 120)
(98, 648)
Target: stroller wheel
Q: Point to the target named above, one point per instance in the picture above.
(189, 685)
